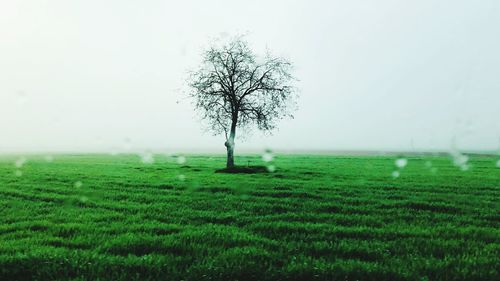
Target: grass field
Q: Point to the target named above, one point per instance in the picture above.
(101, 217)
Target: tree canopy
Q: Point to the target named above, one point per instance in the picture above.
(234, 88)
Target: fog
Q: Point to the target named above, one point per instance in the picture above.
(373, 75)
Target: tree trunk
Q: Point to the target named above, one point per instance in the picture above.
(230, 147)
(230, 155)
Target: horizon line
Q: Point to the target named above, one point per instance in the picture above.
(340, 152)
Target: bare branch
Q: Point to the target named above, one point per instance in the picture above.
(235, 89)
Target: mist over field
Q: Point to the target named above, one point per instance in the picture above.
(94, 76)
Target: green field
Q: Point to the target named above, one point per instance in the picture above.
(102, 217)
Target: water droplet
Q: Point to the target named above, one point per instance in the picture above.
(147, 158)
(434, 170)
(22, 97)
(20, 162)
(181, 160)
(18, 173)
(49, 158)
(78, 184)
(401, 162)
(99, 140)
(83, 199)
(271, 168)
(460, 160)
(428, 164)
(113, 151)
(184, 50)
(267, 156)
(395, 174)
(181, 177)
(127, 143)
(498, 163)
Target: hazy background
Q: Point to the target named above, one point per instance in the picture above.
(374, 75)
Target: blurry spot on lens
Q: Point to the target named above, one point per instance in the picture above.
(401, 162)
(22, 98)
(147, 158)
(271, 168)
(181, 160)
(127, 143)
(20, 162)
(267, 156)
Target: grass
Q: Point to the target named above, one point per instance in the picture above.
(99, 217)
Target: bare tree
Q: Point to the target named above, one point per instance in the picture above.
(234, 88)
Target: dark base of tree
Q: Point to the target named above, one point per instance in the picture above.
(244, 170)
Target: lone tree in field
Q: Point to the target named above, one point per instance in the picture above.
(234, 88)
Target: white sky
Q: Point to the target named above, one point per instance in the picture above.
(374, 75)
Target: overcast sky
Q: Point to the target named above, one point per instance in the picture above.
(374, 75)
